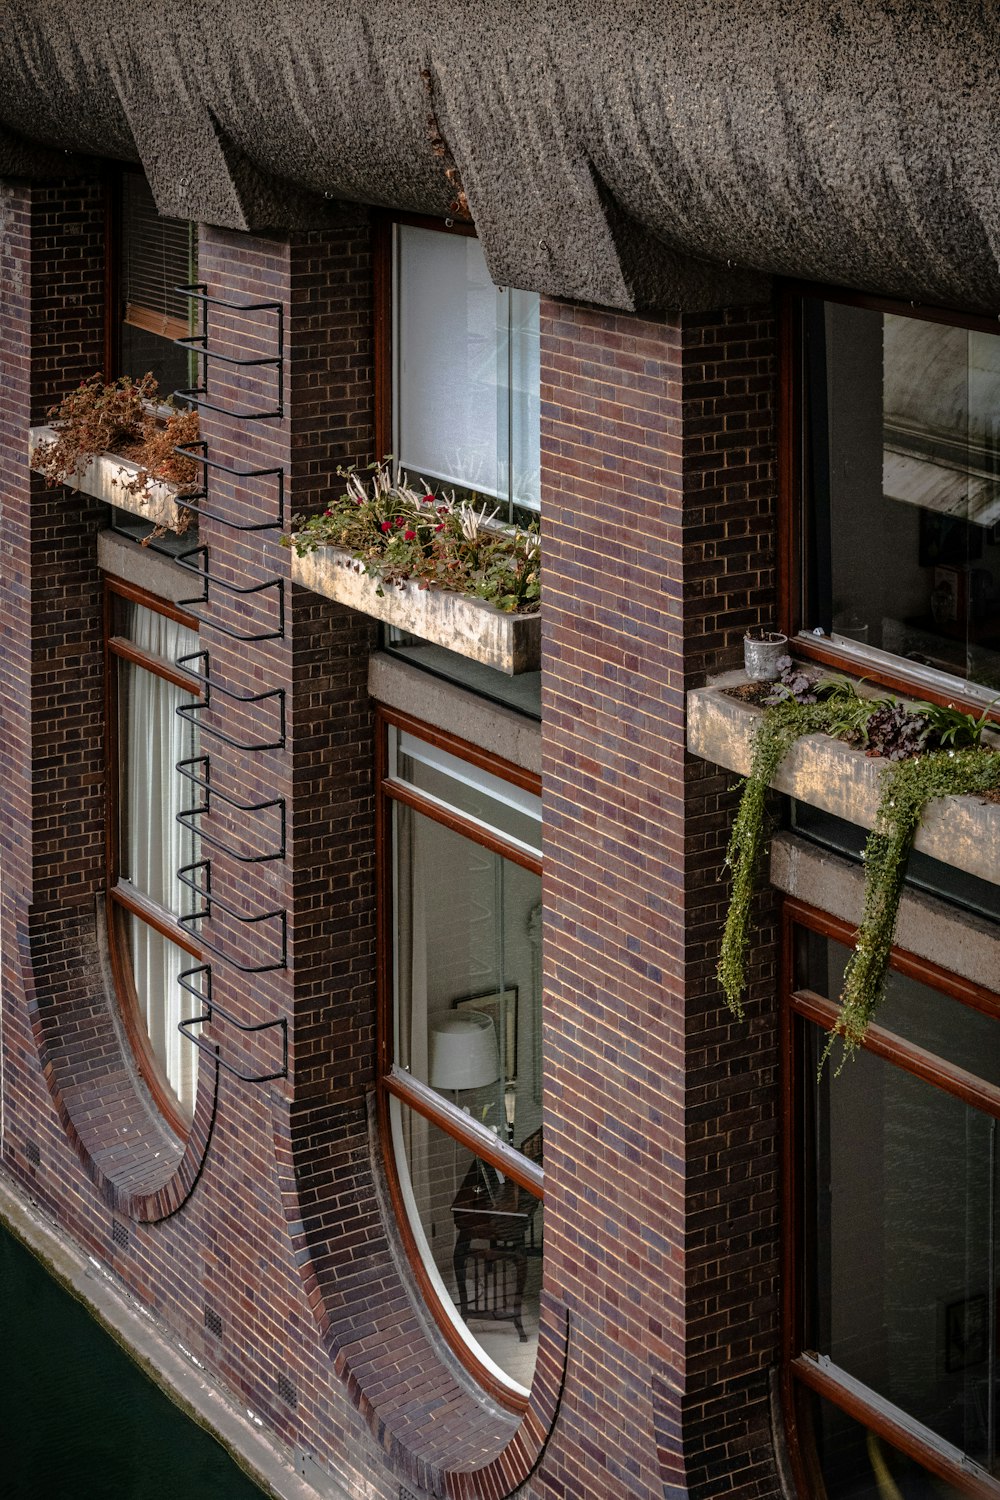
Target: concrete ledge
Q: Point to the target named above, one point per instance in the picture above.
(144, 568)
(163, 1358)
(510, 643)
(959, 831)
(447, 706)
(105, 478)
(966, 944)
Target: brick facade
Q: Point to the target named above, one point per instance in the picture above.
(267, 1244)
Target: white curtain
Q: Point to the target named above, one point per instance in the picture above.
(155, 845)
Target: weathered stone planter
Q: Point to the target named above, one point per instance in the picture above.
(826, 773)
(105, 478)
(510, 643)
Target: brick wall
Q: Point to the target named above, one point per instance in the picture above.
(265, 1244)
(658, 478)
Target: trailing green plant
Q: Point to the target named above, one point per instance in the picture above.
(841, 708)
(396, 533)
(125, 417)
(933, 752)
(906, 789)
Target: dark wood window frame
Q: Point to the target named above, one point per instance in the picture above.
(803, 1371)
(792, 496)
(393, 1081)
(121, 896)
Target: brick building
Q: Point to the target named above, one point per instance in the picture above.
(466, 1183)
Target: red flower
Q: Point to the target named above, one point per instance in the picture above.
(385, 526)
(439, 526)
(328, 513)
(399, 522)
(409, 536)
(428, 499)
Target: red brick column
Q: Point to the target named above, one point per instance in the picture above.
(51, 681)
(661, 1233)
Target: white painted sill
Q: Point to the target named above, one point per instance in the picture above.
(105, 477)
(510, 643)
(826, 773)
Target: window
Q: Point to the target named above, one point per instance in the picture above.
(893, 1163)
(156, 256)
(897, 558)
(146, 844)
(460, 1041)
(465, 371)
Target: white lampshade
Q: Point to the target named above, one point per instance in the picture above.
(464, 1053)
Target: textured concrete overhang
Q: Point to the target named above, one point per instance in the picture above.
(672, 153)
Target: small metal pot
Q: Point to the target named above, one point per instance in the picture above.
(761, 657)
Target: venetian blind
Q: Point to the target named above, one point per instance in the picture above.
(158, 254)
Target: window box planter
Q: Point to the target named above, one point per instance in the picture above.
(826, 773)
(105, 477)
(510, 643)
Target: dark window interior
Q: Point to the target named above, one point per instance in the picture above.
(901, 533)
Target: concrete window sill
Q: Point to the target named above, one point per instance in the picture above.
(105, 478)
(470, 627)
(825, 773)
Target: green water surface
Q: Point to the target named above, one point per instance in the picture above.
(78, 1419)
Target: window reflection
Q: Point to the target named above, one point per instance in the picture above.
(903, 528)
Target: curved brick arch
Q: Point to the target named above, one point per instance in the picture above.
(435, 1431)
(139, 1168)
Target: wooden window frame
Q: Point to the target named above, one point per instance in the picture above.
(121, 896)
(792, 497)
(392, 1081)
(803, 1372)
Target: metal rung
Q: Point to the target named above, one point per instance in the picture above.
(190, 450)
(189, 711)
(197, 291)
(209, 787)
(256, 588)
(188, 919)
(213, 1008)
(186, 818)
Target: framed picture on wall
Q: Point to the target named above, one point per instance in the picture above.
(501, 1007)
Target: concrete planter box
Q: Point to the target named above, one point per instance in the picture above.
(509, 643)
(105, 477)
(825, 773)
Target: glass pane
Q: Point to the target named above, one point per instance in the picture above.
(922, 872)
(903, 464)
(524, 378)
(446, 360)
(466, 405)
(479, 1237)
(857, 1465)
(522, 693)
(467, 966)
(497, 805)
(902, 1294)
(917, 1013)
(156, 963)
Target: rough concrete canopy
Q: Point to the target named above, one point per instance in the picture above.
(666, 153)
